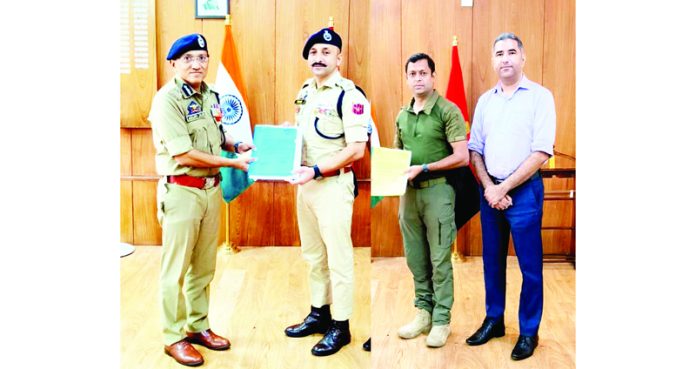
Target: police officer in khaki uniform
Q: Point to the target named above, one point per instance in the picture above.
(433, 129)
(332, 116)
(185, 118)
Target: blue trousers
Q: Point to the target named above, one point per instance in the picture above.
(523, 220)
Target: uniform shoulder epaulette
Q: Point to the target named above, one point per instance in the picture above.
(345, 84)
(172, 90)
(306, 83)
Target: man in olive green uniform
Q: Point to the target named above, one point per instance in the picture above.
(332, 116)
(186, 131)
(433, 129)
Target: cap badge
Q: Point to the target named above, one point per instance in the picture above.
(327, 36)
(201, 42)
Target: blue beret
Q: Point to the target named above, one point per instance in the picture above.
(187, 43)
(324, 36)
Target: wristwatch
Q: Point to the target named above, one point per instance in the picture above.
(425, 168)
(317, 173)
(236, 146)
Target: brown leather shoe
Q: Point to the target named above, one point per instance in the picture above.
(184, 353)
(208, 339)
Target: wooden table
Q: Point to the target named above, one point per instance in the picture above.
(563, 195)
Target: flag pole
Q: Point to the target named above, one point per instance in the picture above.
(455, 253)
(456, 257)
(331, 23)
(231, 249)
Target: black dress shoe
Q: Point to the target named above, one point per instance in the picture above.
(367, 346)
(318, 321)
(488, 330)
(525, 347)
(337, 337)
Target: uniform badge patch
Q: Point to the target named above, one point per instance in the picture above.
(194, 108)
(300, 102)
(217, 112)
(358, 109)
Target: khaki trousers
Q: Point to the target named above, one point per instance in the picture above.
(190, 219)
(324, 216)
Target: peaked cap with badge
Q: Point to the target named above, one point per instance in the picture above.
(191, 42)
(323, 36)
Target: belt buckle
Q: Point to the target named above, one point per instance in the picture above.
(209, 183)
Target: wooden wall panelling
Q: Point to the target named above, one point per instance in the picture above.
(126, 165)
(559, 69)
(175, 18)
(126, 195)
(360, 231)
(386, 235)
(385, 66)
(127, 211)
(146, 228)
(385, 92)
(143, 151)
(251, 217)
(356, 44)
(138, 86)
(429, 29)
(525, 19)
(221, 229)
(284, 218)
(469, 241)
(253, 29)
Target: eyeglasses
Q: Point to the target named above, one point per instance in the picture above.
(188, 59)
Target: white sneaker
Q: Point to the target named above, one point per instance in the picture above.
(438, 336)
(420, 324)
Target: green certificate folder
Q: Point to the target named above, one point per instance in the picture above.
(277, 152)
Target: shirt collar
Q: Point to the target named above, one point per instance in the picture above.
(188, 91)
(525, 84)
(428, 104)
(331, 82)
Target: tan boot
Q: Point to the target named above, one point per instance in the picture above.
(438, 335)
(420, 324)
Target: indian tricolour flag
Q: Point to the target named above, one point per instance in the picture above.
(235, 115)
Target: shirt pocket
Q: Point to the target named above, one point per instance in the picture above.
(328, 126)
(199, 135)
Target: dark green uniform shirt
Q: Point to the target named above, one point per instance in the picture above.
(182, 120)
(428, 134)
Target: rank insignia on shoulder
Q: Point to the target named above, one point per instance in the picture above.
(358, 109)
(300, 102)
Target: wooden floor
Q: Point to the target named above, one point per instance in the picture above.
(256, 293)
(392, 306)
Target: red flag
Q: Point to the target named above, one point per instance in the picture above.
(455, 93)
(455, 87)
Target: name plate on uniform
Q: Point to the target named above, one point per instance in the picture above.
(277, 152)
(389, 168)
